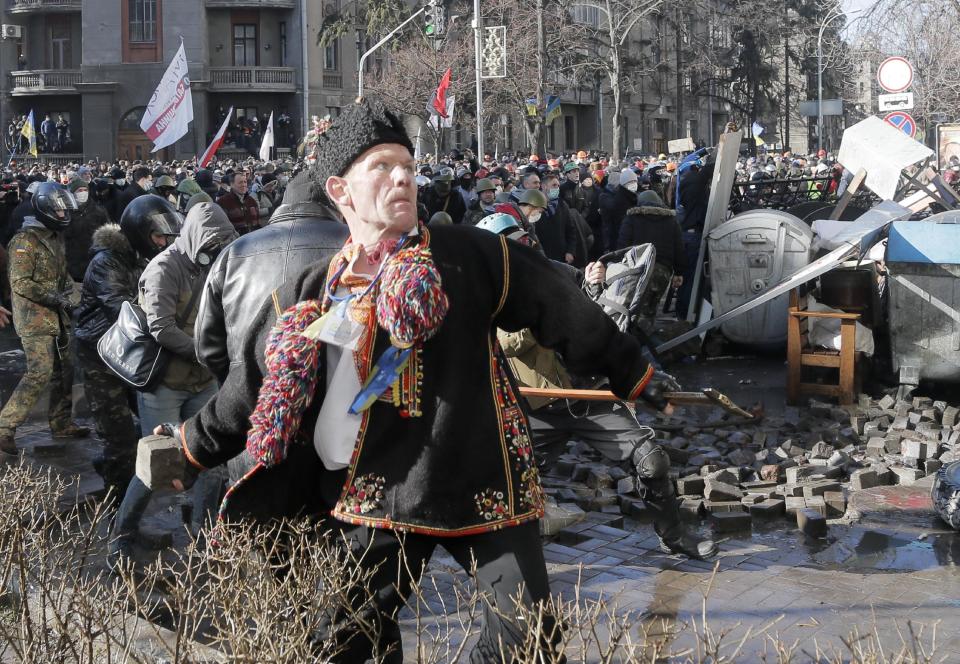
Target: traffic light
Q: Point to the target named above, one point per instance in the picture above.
(436, 23)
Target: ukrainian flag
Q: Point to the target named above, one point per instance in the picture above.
(553, 108)
(30, 133)
(532, 107)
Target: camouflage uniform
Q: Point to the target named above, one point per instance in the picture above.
(38, 275)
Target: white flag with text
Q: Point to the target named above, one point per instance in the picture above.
(170, 110)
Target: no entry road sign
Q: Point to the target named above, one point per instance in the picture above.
(895, 74)
(902, 121)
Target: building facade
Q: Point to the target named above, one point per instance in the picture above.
(97, 62)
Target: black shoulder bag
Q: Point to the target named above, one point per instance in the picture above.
(130, 351)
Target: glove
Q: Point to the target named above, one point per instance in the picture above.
(660, 383)
(65, 305)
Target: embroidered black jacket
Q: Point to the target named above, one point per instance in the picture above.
(465, 465)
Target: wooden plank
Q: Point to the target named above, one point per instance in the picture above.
(848, 345)
(817, 388)
(825, 314)
(794, 351)
(811, 360)
(849, 193)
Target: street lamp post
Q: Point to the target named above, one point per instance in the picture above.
(833, 14)
(363, 58)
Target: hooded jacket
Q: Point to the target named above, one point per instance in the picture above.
(167, 287)
(301, 232)
(110, 280)
(657, 224)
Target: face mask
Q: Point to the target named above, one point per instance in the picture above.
(499, 189)
(553, 194)
(82, 196)
(630, 186)
(172, 198)
(442, 188)
(534, 217)
(121, 182)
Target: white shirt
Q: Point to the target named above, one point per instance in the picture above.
(336, 431)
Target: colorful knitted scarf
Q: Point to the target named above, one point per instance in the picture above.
(410, 306)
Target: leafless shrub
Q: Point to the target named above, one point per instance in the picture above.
(278, 593)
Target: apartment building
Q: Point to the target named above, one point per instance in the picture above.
(97, 62)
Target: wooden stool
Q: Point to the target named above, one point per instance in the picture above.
(800, 354)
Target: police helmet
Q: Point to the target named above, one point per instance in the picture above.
(146, 215)
(53, 205)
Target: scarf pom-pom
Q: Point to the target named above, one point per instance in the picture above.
(292, 360)
(411, 304)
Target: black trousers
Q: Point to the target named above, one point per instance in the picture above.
(509, 565)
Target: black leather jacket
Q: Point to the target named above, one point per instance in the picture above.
(111, 279)
(251, 268)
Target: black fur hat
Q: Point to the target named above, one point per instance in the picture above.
(359, 127)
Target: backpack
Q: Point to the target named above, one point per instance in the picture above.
(628, 275)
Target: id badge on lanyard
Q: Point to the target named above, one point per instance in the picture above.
(338, 328)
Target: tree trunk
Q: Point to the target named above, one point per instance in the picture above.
(617, 120)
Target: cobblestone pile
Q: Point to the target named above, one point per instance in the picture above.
(802, 465)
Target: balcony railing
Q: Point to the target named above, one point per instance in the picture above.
(45, 81)
(27, 6)
(332, 80)
(266, 79)
(250, 4)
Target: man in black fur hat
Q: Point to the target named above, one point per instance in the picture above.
(374, 383)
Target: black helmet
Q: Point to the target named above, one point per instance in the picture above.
(145, 215)
(52, 205)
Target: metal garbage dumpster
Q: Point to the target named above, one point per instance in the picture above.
(749, 254)
(923, 266)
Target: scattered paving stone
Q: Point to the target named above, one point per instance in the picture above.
(818, 488)
(626, 485)
(771, 473)
(557, 517)
(836, 503)
(715, 490)
(811, 523)
(598, 479)
(816, 503)
(768, 509)
(864, 478)
(906, 476)
(714, 506)
(728, 522)
(690, 486)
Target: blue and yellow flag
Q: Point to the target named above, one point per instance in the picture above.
(553, 108)
(532, 107)
(30, 133)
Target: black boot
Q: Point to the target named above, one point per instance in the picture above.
(656, 489)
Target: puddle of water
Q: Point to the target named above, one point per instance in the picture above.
(871, 550)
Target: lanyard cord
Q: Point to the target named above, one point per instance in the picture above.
(373, 282)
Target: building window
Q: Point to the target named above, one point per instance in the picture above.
(142, 30)
(333, 112)
(331, 56)
(569, 135)
(142, 21)
(283, 43)
(551, 135)
(586, 15)
(244, 45)
(59, 53)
